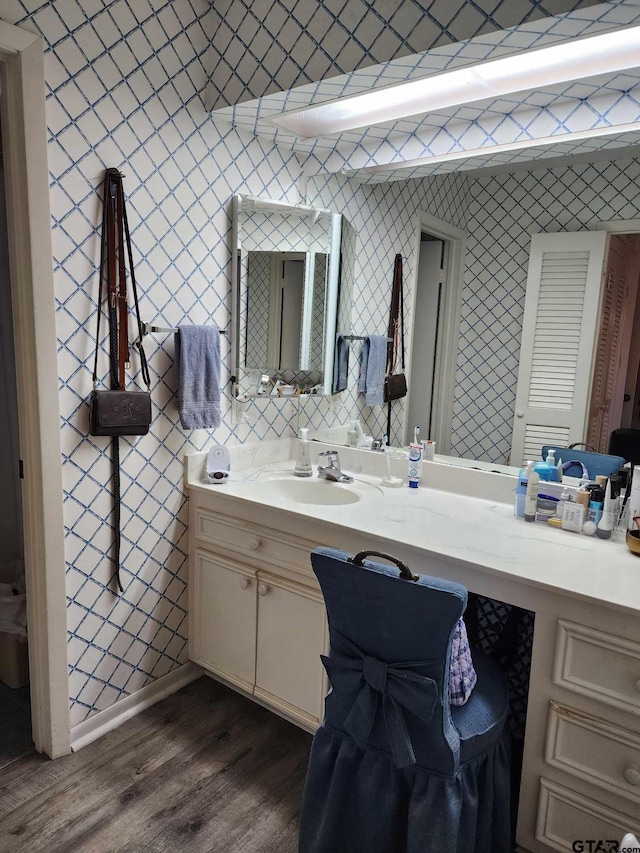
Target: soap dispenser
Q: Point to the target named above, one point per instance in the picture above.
(303, 460)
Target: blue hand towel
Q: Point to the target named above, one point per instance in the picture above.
(373, 369)
(198, 368)
(364, 358)
(340, 364)
(376, 369)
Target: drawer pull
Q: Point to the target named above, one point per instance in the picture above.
(244, 583)
(254, 544)
(263, 588)
(632, 776)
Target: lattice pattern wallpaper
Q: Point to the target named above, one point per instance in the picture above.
(264, 48)
(124, 89)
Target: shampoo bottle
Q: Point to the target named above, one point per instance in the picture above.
(531, 497)
(303, 460)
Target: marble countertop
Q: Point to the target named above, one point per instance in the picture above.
(480, 533)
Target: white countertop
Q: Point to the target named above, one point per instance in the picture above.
(480, 533)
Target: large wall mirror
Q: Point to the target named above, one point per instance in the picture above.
(287, 279)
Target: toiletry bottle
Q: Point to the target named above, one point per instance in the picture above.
(560, 471)
(553, 466)
(352, 436)
(605, 525)
(543, 470)
(521, 490)
(565, 497)
(303, 460)
(415, 464)
(596, 503)
(531, 496)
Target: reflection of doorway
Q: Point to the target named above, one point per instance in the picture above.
(425, 341)
(434, 333)
(286, 304)
(615, 400)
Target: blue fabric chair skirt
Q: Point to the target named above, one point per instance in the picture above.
(369, 806)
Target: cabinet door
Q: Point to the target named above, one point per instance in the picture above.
(224, 632)
(291, 637)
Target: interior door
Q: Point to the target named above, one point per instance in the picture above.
(558, 335)
(614, 338)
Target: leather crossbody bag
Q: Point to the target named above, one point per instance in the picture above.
(117, 411)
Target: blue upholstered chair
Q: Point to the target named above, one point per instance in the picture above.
(394, 768)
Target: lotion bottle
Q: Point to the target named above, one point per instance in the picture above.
(531, 497)
(303, 460)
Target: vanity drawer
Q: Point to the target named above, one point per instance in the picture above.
(598, 665)
(594, 750)
(566, 817)
(253, 544)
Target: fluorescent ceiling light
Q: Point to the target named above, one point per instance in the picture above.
(488, 150)
(533, 69)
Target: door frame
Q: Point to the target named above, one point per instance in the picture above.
(447, 350)
(24, 132)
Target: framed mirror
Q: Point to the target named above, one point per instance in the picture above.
(285, 273)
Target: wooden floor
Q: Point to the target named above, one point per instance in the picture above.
(204, 770)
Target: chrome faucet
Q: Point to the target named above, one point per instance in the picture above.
(332, 471)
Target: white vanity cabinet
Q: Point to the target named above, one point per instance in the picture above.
(590, 787)
(257, 617)
(258, 623)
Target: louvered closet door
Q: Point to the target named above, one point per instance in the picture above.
(558, 335)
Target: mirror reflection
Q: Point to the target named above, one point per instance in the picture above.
(286, 269)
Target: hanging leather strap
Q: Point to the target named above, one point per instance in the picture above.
(115, 242)
(395, 331)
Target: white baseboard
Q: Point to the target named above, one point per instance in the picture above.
(104, 721)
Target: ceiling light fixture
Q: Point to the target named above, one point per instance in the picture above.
(546, 66)
(548, 142)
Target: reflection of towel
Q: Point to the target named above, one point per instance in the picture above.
(340, 364)
(372, 369)
(198, 369)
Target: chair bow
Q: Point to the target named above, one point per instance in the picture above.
(397, 685)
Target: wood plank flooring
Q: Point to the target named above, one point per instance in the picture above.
(204, 770)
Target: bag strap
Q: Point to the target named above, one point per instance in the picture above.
(116, 240)
(113, 278)
(395, 329)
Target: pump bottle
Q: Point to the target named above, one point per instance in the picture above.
(303, 459)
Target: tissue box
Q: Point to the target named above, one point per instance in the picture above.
(14, 661)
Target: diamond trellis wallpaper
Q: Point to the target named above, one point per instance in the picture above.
(125, 87)
(261, 48)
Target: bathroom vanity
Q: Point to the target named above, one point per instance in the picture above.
(257, 619)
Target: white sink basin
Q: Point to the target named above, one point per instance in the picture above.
(305, 491)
